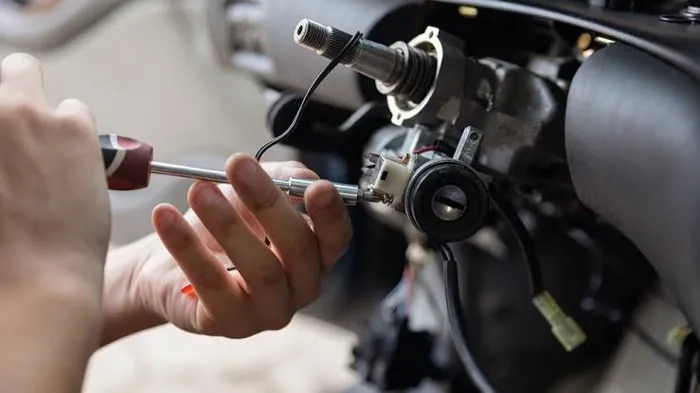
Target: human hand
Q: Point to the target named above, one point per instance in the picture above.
(228, 225)
(54, 233)
(54, 205)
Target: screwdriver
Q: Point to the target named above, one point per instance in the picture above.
(129, 165)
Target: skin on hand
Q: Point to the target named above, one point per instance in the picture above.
(54, 234)
(228, 224)
(53, 193)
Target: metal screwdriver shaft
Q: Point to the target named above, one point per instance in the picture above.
(186, 172)
(351, 194)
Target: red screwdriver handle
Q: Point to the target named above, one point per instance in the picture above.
(127, 162)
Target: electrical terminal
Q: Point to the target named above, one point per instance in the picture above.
(678, 334)
(564, 328)
(391, 175)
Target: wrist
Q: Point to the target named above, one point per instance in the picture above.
(58, 278)
(51, 325)
(124, 312)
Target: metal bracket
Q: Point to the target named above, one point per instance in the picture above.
(468, 146)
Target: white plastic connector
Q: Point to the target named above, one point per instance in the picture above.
(392, 175)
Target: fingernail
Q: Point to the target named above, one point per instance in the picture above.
(207, 195)
(248, 173)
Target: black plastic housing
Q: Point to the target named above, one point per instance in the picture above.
(633, 147)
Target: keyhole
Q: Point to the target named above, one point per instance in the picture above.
(449, 203)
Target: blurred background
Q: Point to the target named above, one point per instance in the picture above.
(146, 72)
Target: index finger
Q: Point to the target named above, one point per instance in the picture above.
(22, 75)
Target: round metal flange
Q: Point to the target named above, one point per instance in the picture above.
(446, 69)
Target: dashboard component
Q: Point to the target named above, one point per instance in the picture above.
(443, 197)
(510, 92)
(439, 87)
(634, 165)
(446, 200)
(409, 75)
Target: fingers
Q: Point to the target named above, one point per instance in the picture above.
(277, 170)
(76, 111)
(330, 221)
(265, 279)
(22, 75)
(209, 277)
(293, 240)
(257, 264)
(281, 171)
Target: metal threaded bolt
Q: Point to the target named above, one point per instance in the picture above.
(325, 40)
(311, 34)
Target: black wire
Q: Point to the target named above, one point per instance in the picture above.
(527, 245)
(305, 101)
(456, 317)
(684, 373)
(307, 97)
(457, 320)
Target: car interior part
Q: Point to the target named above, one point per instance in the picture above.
(443, 197)
(616, 155)
(436, 93)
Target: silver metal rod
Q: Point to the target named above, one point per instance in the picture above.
(187, 172)
(351, 194)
